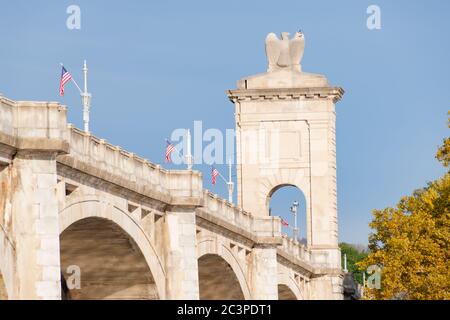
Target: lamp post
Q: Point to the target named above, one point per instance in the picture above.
(293, 210)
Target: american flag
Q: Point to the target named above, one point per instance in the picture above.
(169, 150)
(284, 222)
(65, 77)
(214, 174)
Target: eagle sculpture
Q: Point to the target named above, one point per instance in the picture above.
(286, 53)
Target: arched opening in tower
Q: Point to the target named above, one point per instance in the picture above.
(99, 260)
(217, 280)
(289, 203)
(284, 293)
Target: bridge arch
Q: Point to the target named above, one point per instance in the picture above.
(227, 268)
(98, 213)
(281, 178)
(286, 178)
(279, 200)
(288, 289)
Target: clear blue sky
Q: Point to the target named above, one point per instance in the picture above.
(155, 67)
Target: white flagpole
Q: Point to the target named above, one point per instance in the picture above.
(230, 183)
(345, 263)
(220, 175)
(86, 99)
(188, 156)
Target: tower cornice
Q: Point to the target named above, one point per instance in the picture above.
(334, 93)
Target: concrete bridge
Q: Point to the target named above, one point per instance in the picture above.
(75, 207)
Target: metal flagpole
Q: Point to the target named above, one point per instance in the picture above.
(188, 156)
(86, 99)
(220, 175)
(230, 183)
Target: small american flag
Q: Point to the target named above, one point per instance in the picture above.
(169, 149)
(214, 174)
(65, 77)
(284, 222)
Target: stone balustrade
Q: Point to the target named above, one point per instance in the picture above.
(135, 170)
(295, 248)
(221, 210)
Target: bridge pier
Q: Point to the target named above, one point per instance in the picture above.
(327, 287)
(181, 254)
(36, 230)
(264, 273)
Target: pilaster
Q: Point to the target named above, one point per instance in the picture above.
(181, 254)
(35, 224)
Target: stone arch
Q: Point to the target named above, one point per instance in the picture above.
(209, 246)
(297, 178)
(286, 177)
(288, 289)
(84, 207)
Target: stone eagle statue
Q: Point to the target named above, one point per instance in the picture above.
(286, 53)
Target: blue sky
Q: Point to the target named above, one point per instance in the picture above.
(155, 67)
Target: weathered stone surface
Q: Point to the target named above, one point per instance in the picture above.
(3, 293)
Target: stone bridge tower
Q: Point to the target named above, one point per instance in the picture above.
(285, 135)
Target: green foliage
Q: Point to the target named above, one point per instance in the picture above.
(354, 255)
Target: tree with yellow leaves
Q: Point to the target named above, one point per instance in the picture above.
(411, 242)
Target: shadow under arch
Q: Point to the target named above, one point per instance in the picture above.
(288, 289)
(221, 277)
(95, 214)
(285, 293)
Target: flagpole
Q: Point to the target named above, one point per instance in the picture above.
(220, 175)
(188, 156)
(86, 99)
(230, 183)
(345, 263)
